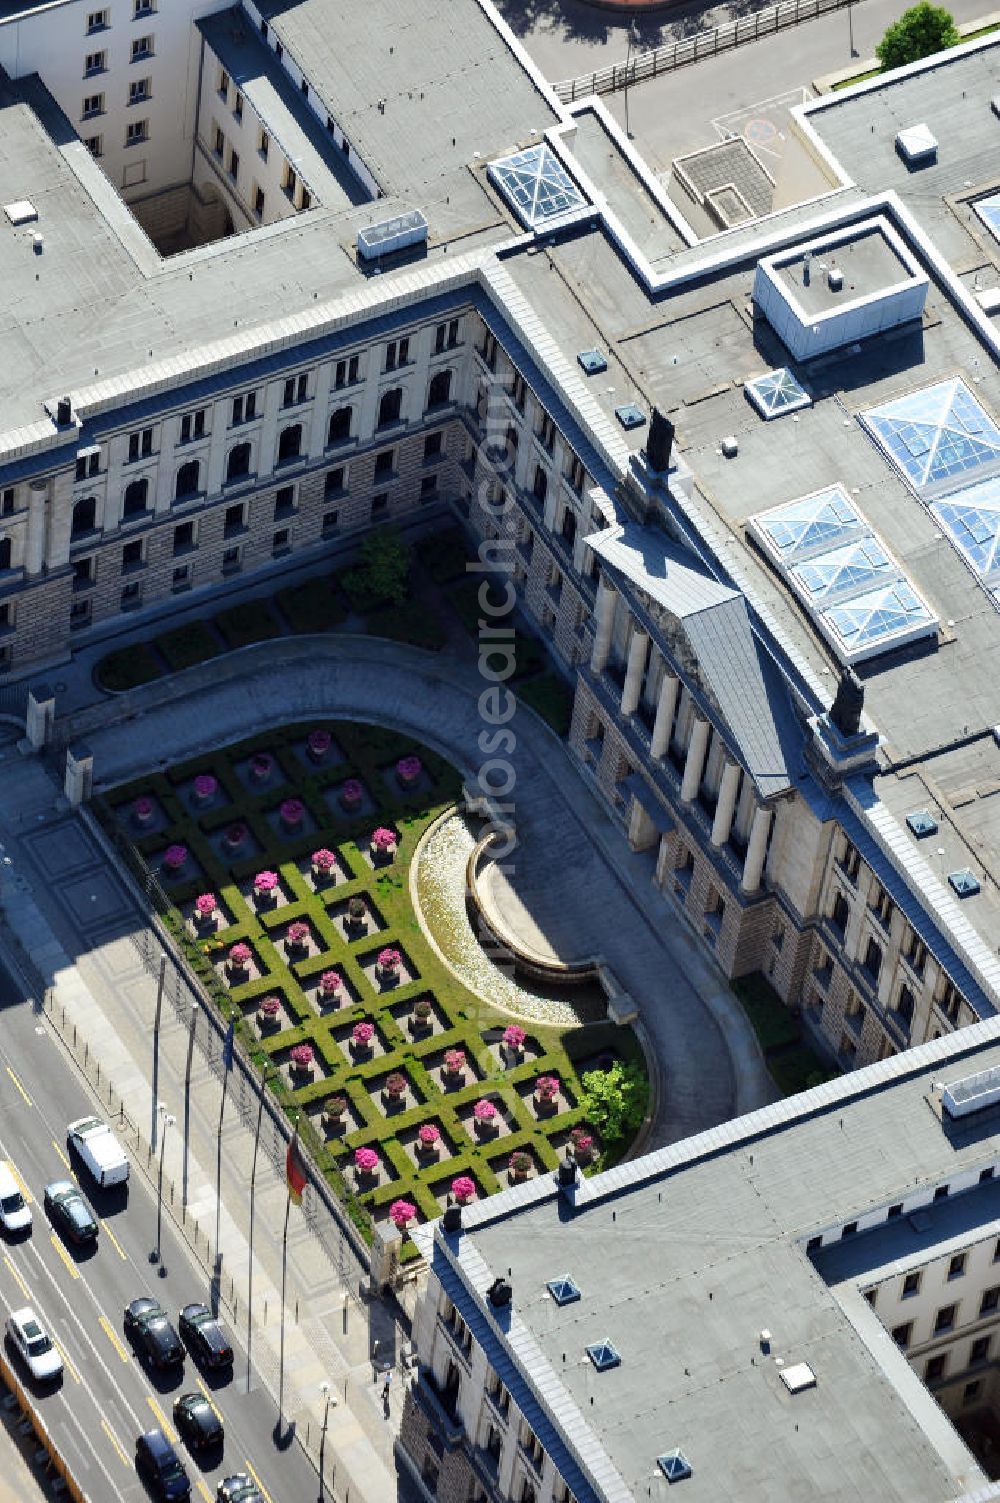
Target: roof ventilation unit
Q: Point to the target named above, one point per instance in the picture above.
(390, 235)
(971, 1094)
(835, 279)
(798, 1377)
(917, 145)
(499, 1294)
(21, 212)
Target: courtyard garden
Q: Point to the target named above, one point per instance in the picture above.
(282, 868)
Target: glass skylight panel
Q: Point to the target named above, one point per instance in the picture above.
(845, 571)
(988, 210)
(674, 1465)
(971, 518)
(563, 1290)
(536, 185)
(873, 622)
(603, 1355)
(776, 393)
(940, 438)
(811, 524)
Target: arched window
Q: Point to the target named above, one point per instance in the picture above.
(841, 912)
(290, 443)
(238, 463)
(4, 553)
(188, 477)
(569, 526)
(84, 516)
(905, 1005)
(135, 498)
(390, 406)
(439, 390)
(339, 430)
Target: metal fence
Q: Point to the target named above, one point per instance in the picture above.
(694, 49)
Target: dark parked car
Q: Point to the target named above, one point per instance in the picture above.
(152, 1335)
(239, 1488)
(160, 1467)
(206, 1340)
(70, 1213)
(197, 1422)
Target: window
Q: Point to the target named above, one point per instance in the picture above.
(87, 465)
(290, 443)
(238, 463)
(234, 164)
(979, 1351)
(397, 352)
(390, 407)
(182, 577)
(956, 1267)
(134, 504)
(188, 480)
(258, 202)
(84, 516)
(305, 198)
(428, 488)
(985, 1175)
(136, 132)
(231, 560)
(97, 21)
(439, 391)
(546, 431)
(540, 485)
(849, 1229)
(93, 104)
(873, 959)
(971, 1391)
(446, 336)
(139, 90)
(841, 913)
(296, 390)
(569, 538)
(911, 1285)
(330, 520)
(224, 84)
(234, 520)
(990, 1300)
(184, 537)
(935, 1369)
(192, 425)
(132, 555)
(901, 1334)
(945, 1318)
(379, 503)
(432, 445)
(519, 392)
(244, 408)
(575, 474)
(7, 499)
(915, 952)
(384, 464)
(334, 482)
(850, 861)
(238, 108)
(280, 543)
(263, 145)
(284, 502)
(905, 1005)
(949, 1002)
(131, 595)
(83, 573)
(95, 62)
(346, 372)
(489, 350)
(142, 47)
(140, 445)
(941, 1193)
(95, 145)
(894, 1211)
(142, 8)
(290, 180)
(80, 613)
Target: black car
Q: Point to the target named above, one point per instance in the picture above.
(152, 1335)
(239, 1488)
(70, 1213)
(197, 1421)
(206, 1340)
(160, 1467)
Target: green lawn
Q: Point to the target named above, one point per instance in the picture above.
(187, 645)
(459, 1018)
(127, 667)
(552, 697)
(444, 555)
(793, 1065)
(312, 606)
(250, 621)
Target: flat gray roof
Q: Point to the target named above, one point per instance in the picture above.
(867, 263)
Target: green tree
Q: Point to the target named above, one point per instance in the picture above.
(615, 1100)
(384, 568)
(920, 31)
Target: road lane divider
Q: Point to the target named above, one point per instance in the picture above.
(67, 1363)
(68, 1263)
(200, 1484)
(256, 1481)
(62, 1155)
(16, 1276)
(162, 1420)
(27, 1099)
(28, 1197)
(122, 1455)
(112, 1336)
(114, 1242)
(204, 1388)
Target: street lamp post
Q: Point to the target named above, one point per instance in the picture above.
(628, 60)
(187, 1101)
(253, 1184)
(850, 27)
(324, 1389)
(167, 1121)
(156, 1044)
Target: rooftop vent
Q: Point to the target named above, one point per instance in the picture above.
(64, 411)
(922, 823)
(592, 361)
(730, 446)
(21, 212)
(499, 1293)
(674, 1465)
(603, 1355)
(452, 1219)
(973, 1093)
(798, 1377)
(963, 883)
(630, 416)
(835, 279)
(392, 235)
(917, 145)
(563, 1290)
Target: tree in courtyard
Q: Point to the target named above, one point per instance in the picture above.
(921, 30)
(615, 1100)
(383, 571)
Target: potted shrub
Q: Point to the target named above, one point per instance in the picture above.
(323, 864)
(332, 1115)
(365, 1162)
(422, 1015)
(205, 788)
(383, 844)
(361, 1037)
(331, 987)
(520, 1166)
(174, 858)
(582, 1143)
(206, 911)
(319, 743)
(408, 770)
(291, 813)
(302, 1061)
(236, 836)
(453, 1067)
(513, 1041)
(485, 1117)
(401, 1213)
(238, 963)
(143, 809)
(265, 889)
(351, 795)
(357, 915)
(394, 1088)
(387, 965)
(428, 1139)
(546, 1093)
(297, 938)
(261, 766)
(464, 1189)
(268, 1014)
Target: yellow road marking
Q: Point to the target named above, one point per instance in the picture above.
(20, 1087)
(115, 1442)
(257, 1482)
(66, 1362)
(59, 1151)
(164, 1422)
(204, 1491)
(71, 1267)
(20, 1182)
(17, 1277)
(115, 1243)
(112, 1336)
(201, 1384)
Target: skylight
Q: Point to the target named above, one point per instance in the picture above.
(812, 524)
(845, 571)
(964, 883)
(939, 438)
(922, 823)
(674, 1465)
(879, 619)
(988, 210)
(603, 1355)
(630, 416)
(563, 1290)
(971, 518)
(776, 393)
(536, 185)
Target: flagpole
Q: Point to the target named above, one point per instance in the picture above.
(281, 1358)
(227, 1064)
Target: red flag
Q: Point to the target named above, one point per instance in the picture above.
(295, 1170)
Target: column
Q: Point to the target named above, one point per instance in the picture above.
(34, 555)
(726, 807)
(41, 713)
(79, 774)
(665, 707)
(694, 764)
(753, 866)
(605, 621)
(549, 511)
(634, 670)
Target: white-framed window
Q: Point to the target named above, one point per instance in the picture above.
(93, 104)
(95, 145)
(98, 20)
(95, 62)
(142, 47)
(142, 8)
(224, 84)
(263, 144)
(140, 90)
(137, 131)
(234, 164)
(238, 107)
(258, 201)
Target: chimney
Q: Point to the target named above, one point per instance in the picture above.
(452, 1219)
(499, 1294)
(659, 442)
(566, 1172)
(64, 412)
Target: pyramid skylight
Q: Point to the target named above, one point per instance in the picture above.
(971, 518)
(879, 619)
(939, 439)
(777, 392)
(536, 185)
(812, 524)
(988, 210)
(845, 571)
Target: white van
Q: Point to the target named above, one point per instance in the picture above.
(99, 1151)
(15, 1214)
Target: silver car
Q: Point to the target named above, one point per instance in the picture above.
(34, 1345)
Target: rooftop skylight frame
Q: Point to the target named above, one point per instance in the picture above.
(563, 1290)
(674, 1465)
(776, 393)
(988, 210)
(604, 1355)
(939, 439)
(536, 185)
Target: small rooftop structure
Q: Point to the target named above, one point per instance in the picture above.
(917, 144)
(536, 185)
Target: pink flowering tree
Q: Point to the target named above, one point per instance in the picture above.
(401, 1213)
(464, 1189)
(454, 1062)
(142, 809)
(365, 1160)
(174, 858)
(395, 1085)
(484, 1113)
(240, 956)
(261, 766)
(388, 963)
(268, 1012)
(205, 906)
(428, 1137)
(302, 1058)
(383, 843)
(547, 1089)
(235, 836)
(292, 813)
(331, 985)
(323, 863)
(205, 787)
(583, 1144)
(265, 886)
(298, 935)
(319, 742)
(514, 1037)
(520, 1165)
(352, 793)
(408, 770)
(362, 1035)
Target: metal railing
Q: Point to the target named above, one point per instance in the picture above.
(695, 49)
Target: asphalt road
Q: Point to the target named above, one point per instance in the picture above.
(106, 1397)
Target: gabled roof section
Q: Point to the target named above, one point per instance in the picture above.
(741, 682)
